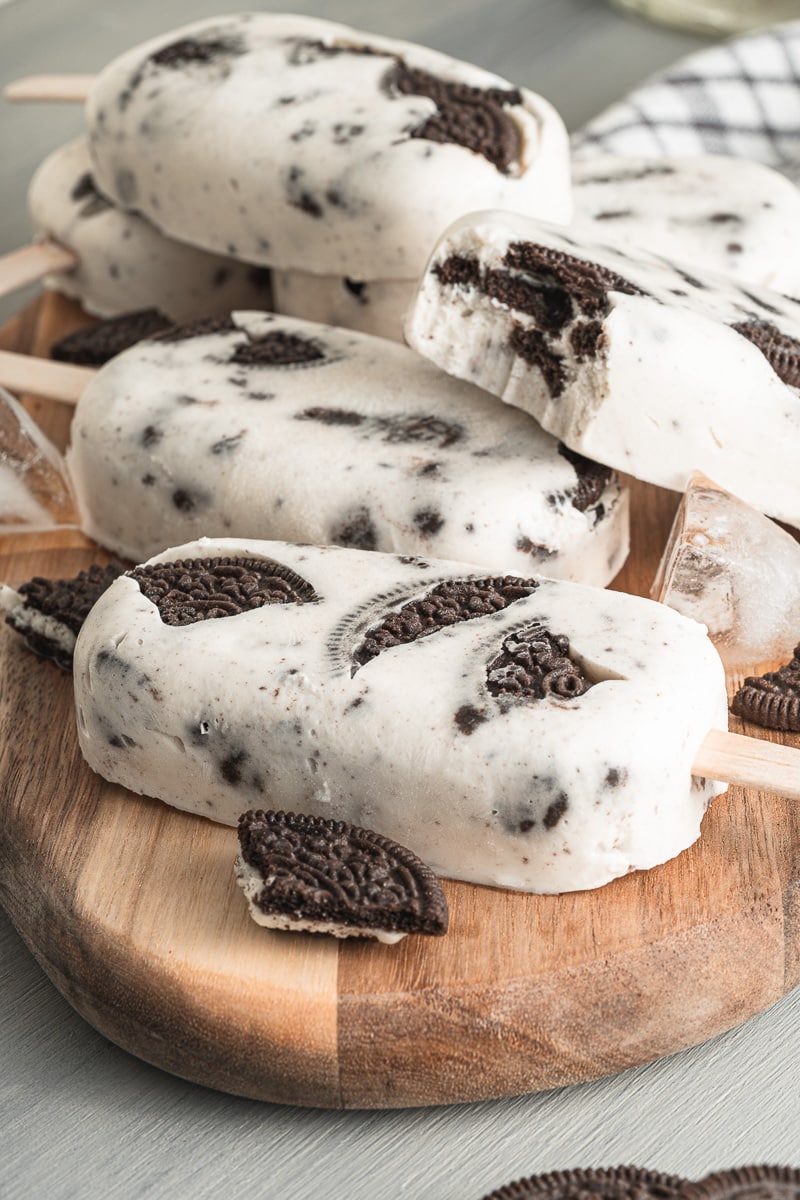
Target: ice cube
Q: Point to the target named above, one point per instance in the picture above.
(35, 492)
(736, 571)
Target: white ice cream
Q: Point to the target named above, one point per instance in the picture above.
(296, 143)
(639, 363)
(717, 213)
(274, 708)
(125, 264)
(377, 306)
(357, 442)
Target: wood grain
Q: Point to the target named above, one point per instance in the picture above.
(132, 910)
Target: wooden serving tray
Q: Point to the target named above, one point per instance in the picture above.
(132, 910)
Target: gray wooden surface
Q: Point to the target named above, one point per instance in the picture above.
(79, 1117)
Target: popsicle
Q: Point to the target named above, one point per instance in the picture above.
(262, 425)
(644, 365)
(119, 261)
(302, 144)
(523, 733)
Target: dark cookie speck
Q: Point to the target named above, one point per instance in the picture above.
(331, 416)
(468, 718)
(428, 521)
(356, 531)
(339, 874)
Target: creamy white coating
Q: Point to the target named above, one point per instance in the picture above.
(367, 445)
(669, 387)
(718, 213)
(252, 884)
(277, 139)
(125, 263)
(268, 708)
(376, 306)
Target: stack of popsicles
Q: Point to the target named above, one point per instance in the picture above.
(477, 697)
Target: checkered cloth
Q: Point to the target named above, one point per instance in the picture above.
(739, 98)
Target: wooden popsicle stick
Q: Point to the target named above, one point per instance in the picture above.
(69, 88)
(749, 762)
(39, 377)
(31, 263)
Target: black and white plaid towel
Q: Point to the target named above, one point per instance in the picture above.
(739, 98)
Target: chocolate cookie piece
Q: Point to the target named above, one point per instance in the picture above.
(49, 613)
(303, 872)
(535, 663)
(192, 329)
(613, 1183)
(96, 344)
(575, 332)
(773, 699)
(86, 189)
(202, 589)
(466, 116)
(781, 351)
(747, 1183)
(593, 478)
(278, 349)
(446, 604)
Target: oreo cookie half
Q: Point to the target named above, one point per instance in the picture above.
(49, 613)
(612, 1183)
(773, 699)
(96, 344)
(301, 872)
(747, 1183)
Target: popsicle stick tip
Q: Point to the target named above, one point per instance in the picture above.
(31, 263)
(22, 373)
(68, 89)
(745, 761)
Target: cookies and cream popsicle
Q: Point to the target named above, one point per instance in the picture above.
(259, 425)
(649, 366)
(306, 145)
(124, 262)
(525, 733)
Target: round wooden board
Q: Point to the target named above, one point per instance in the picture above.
(132, 910)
